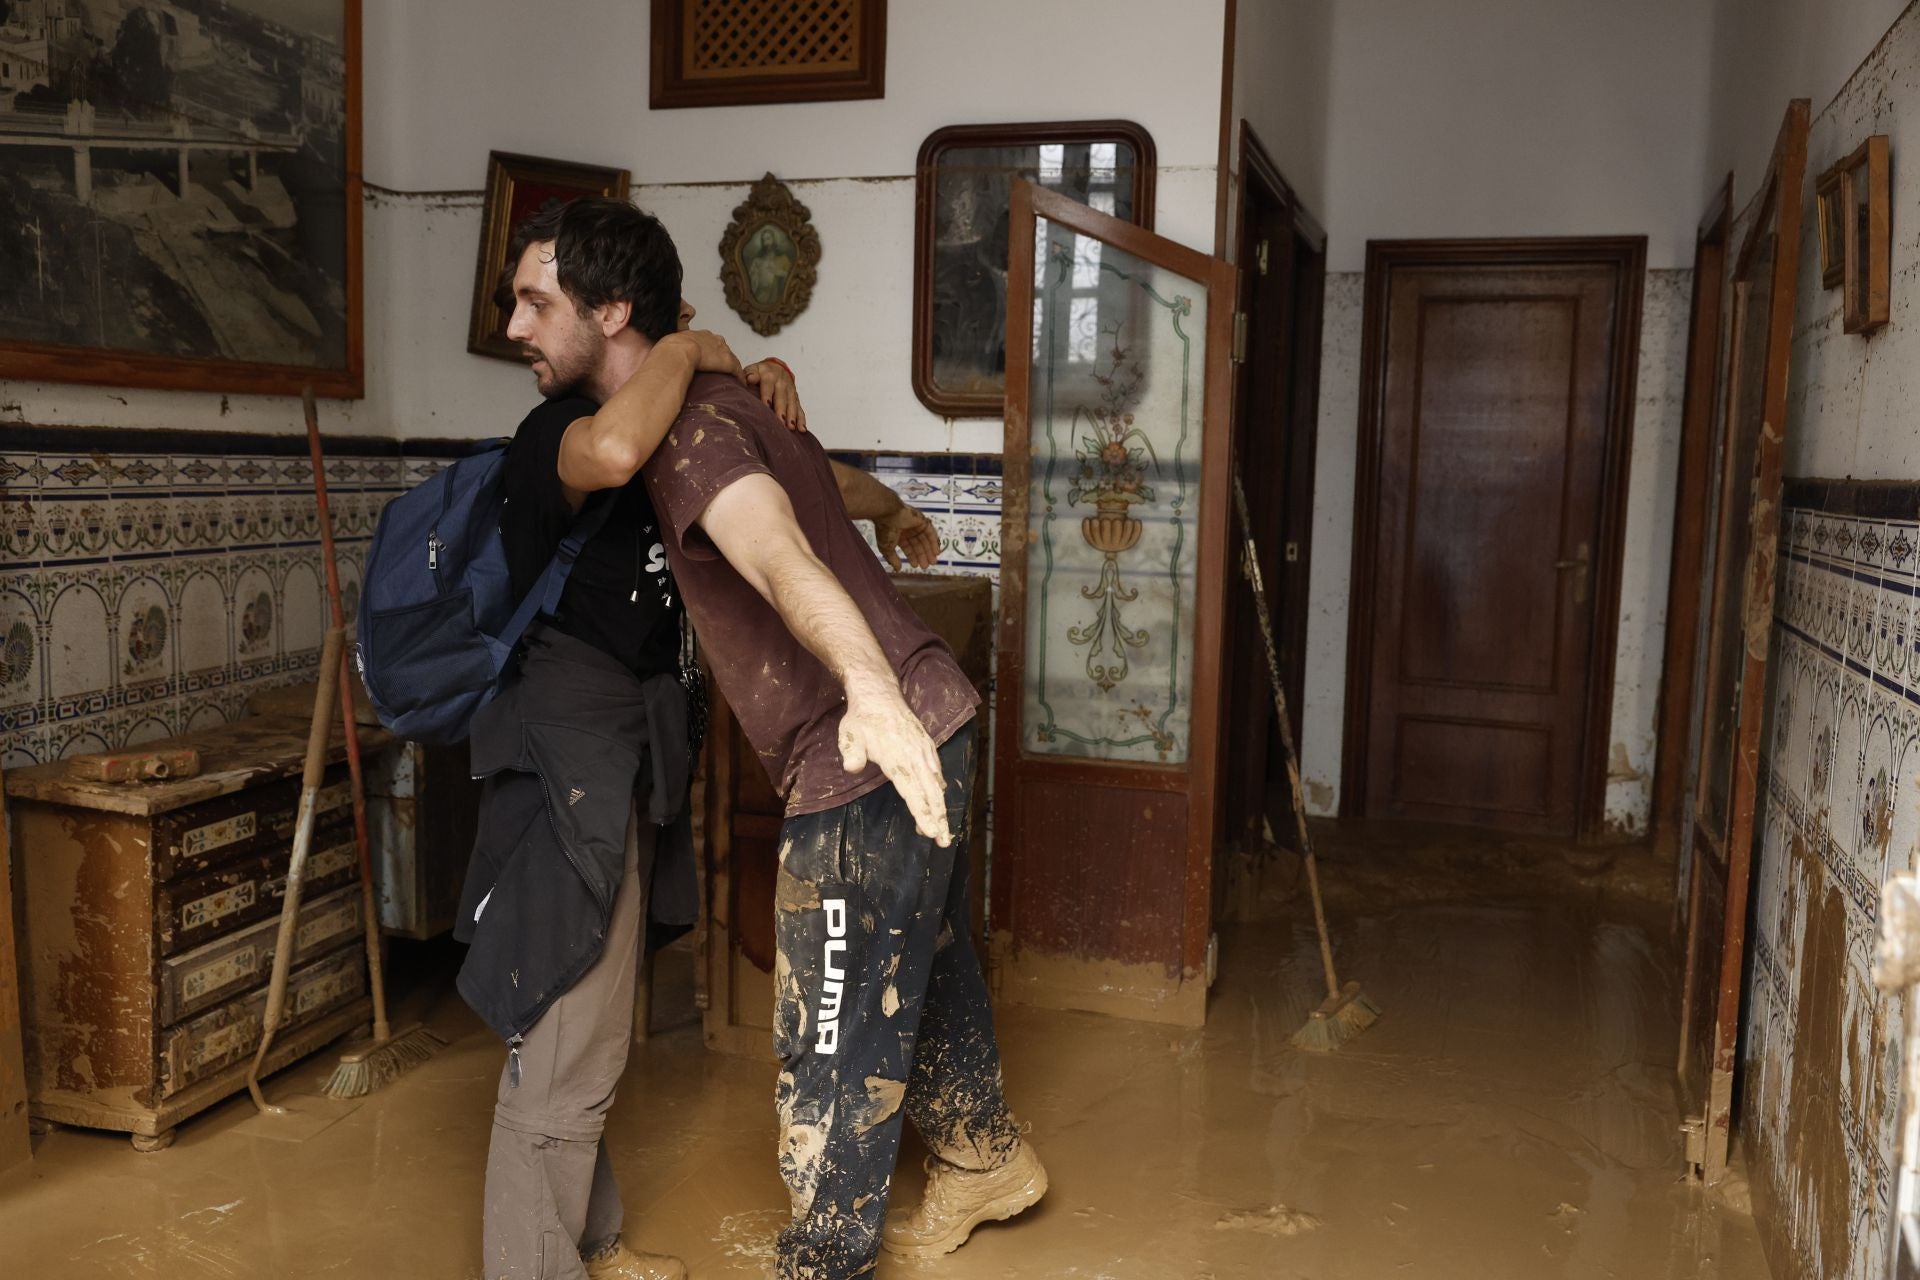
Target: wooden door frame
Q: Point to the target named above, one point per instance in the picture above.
(1781, 194)
(1692, 507)
(1197, 779)
(1628, 254)
(1260, 176)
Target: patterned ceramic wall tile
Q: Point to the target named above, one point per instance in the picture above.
(1840, 814)
(148, 591)
(959, 492)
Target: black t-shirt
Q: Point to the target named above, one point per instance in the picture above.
(620, 597)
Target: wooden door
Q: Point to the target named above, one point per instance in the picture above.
(1499, 398)
(1732, 698)
(1113, 568)
(1693, 504)
(1282, 270)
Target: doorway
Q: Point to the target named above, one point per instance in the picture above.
(1282, 286)
(1496, 408)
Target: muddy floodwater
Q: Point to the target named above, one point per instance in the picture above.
(1511, 1117)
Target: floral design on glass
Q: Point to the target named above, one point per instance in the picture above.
(16, 654)
(256, 623)
(1112, 476)
(146, 638)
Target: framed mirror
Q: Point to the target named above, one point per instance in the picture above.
(964, 183)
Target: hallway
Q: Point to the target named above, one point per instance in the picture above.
(1510, 1116)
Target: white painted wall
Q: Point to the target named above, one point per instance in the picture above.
(1281, 73)
(1517, 117)
(1522, 118)
(449, 80)
(1766, 52)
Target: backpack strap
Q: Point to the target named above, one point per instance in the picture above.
(544, 595)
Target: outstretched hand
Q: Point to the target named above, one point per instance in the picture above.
(882, 730)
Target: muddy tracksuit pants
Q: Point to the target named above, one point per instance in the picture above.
(881, 1010)
(550, 1189)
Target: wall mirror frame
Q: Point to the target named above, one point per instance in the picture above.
(963, 182)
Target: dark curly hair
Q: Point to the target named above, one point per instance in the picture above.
(605, 250)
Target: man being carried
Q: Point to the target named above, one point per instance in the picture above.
(865, 722)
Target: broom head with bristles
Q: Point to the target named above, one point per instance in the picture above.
(1338, 1019)
(369, 1065)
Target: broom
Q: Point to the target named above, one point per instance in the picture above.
(312, 774)
(367, 1066)
(1346, 1011)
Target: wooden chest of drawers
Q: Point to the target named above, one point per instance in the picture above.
(149, 917)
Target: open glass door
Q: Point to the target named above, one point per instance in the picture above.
(1731, 705)
(1113, 569)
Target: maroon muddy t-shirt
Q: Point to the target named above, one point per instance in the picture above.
(786, 699)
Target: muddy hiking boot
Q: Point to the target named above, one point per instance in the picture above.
(958, 1200)
(617, 1262)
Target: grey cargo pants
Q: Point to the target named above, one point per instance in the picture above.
(550, 1188)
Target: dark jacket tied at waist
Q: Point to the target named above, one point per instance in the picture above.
(562, 749)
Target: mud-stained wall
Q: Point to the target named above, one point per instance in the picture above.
(1839, 815)
(1649, 537)
(1841, 796)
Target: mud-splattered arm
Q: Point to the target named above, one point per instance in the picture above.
(751, 522)
(607, 449)
(902, 532)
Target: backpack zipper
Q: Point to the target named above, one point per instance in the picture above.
(434, 546)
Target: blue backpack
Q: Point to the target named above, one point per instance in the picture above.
(438, 621)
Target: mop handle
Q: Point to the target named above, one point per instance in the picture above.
(349, 718)
(1257, 582)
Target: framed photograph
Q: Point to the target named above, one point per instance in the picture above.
(1829, 198)
(181, 186)
(964, 182)
(769, 257)
(1867, 203)
(720, 53)
(517, 188)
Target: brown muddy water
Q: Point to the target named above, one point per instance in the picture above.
(1510, 1116)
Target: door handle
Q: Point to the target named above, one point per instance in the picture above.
(1580, 563)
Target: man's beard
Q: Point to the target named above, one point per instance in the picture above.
(569, 372)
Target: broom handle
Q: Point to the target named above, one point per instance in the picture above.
(1256, 580)
(313, 773)
(376, 977)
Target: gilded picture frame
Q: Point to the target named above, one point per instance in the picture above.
(518, 187)
(769, 257)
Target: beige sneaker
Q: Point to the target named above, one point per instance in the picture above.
(958, 1200)
(617, 1262)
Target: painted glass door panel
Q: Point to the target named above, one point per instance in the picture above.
(1733, 695)
(1116, 392)
(1112, 580)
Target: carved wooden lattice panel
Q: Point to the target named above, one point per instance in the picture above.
(721, 52)
(749, 37)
